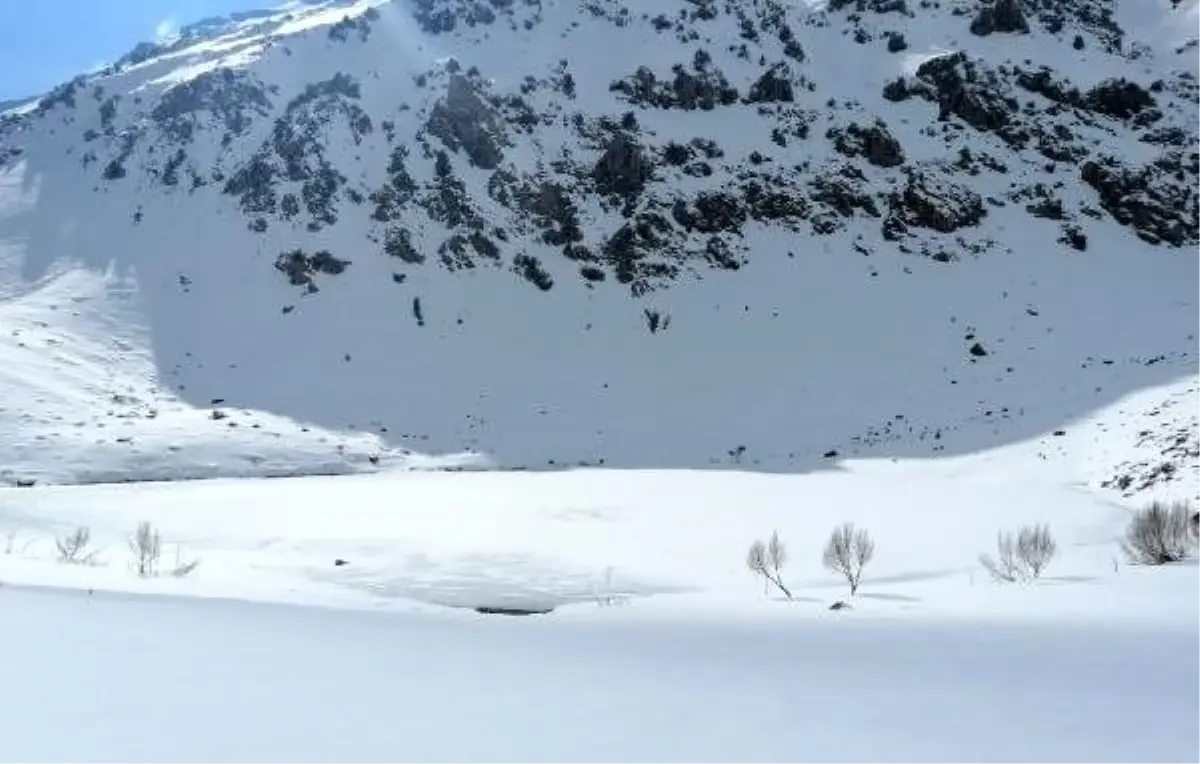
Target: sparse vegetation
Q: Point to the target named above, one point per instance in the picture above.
(1160, 533)
(72, 548)
(767, 560)
(847, 553)
(183, 566)
(146, 545)
(1021, 557)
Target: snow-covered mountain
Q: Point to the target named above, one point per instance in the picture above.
(679, 233)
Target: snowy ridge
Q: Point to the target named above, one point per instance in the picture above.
(507, 242)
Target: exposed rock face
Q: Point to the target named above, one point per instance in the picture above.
(775, 85)
(936, 204)
(703, 89)
(623, 169)
(874, 143)
(463, 121)
(1001, 16)
(1158, 211)
(300, 267)
(1120, 99)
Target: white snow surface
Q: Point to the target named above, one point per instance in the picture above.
(270, 651)
(189, 680)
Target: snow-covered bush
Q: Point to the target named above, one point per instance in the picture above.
(72, 548)
(847, 552)
(1160, 533)
(146, 545)
(767, 560)
(1022, 556)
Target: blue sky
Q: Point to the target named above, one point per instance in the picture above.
(47, 42)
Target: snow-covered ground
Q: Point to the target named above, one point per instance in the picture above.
(114, 678)
(471, 538)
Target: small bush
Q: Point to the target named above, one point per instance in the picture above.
(847, 552)
(72, 548)
(183, 567)
(1021, 557)
(146, 545)
(1160, 533)
(767, 560)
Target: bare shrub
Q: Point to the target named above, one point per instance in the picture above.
(72, 548)
(183, 567)
(1035, 548)
(146, 545)
(767, 560)
(1005, 566)
(1159, 533)
(1021, 557)
(847, 552)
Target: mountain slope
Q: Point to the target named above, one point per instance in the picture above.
(597, 234)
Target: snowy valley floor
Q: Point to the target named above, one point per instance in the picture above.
(121, 678)
(268, 650)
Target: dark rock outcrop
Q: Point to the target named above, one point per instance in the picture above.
(775, 85)
(623, 169)
(873, 142)
(463, 121)
(1001, 16)
(934, 203)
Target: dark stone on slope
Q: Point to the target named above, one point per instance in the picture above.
(775, 85)
(623, 169)
(1002, 16)
(1119, 99)
(463, 120)
(962, 89)
(873, 142)
(300, 267)
(1158, 208)
(700, 89)
(937, 204)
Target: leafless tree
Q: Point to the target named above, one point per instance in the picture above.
(1160, 533)
(1022, 556)
(1035, 548)
(767, 560)
(146, 545)
(847, 552)
(72, 548)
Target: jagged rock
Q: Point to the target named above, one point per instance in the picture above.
(703, 90)
(1001, 16)
(230, 97)
(843, 191)
(463, 120)
(300, 268)
(623, 169)
(530, 268)
(961, 88)
(1118, 98)
(710, 212)
(936, 204)
(874, 143)
(1147, 200)
(775, 85)
(553, 211)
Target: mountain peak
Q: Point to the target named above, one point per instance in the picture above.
(467, 225)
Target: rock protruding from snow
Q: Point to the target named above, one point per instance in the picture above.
(463, 120)
(1001, 16)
